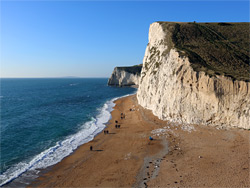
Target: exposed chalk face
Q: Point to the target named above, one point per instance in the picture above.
(122, 77)
(156, 34)
(174, 91)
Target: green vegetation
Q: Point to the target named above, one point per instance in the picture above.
(136, 69)
(154, 59)
(215, 48)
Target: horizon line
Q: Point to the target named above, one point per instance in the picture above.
(47, 77)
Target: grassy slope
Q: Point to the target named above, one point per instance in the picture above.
(215, 48)
(136, 69)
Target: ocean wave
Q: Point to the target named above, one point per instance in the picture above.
(73, 84)
(63, 148)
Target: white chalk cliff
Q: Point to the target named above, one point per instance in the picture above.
(171, 88)
(125, 76)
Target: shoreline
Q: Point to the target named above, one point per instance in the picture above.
(29, 175)
(101, 141)
(188, 155)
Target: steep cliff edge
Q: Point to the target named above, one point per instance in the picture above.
(125, 76)
(197, 73)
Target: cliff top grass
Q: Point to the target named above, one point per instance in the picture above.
(136, 69)
(215, 48)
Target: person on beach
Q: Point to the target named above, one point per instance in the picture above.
(90, 148)
(150, 138)
(104, 132)
(107, 132)
(116, 121)
(116, 126)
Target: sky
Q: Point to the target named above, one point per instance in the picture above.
(90, 38)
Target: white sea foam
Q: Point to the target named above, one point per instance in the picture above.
(73, 84)
(63, 148)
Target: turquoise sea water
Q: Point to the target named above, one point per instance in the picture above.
(44, 120)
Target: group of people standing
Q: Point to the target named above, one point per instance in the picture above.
(122, 116)
(116, 126)
(106, 132)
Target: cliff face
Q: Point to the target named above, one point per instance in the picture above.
(125, 76)
(173, 90)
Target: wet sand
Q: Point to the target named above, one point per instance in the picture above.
(179, 155)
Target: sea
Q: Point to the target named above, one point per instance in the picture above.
(43, 120)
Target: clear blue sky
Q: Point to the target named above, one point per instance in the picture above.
(88, 39)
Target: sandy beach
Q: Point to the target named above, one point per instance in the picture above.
(179, 156)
